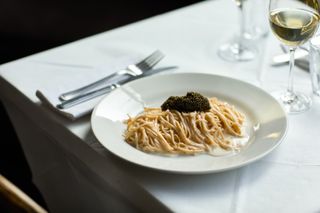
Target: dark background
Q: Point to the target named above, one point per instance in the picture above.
(31, 26)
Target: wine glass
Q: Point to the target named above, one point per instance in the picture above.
(239, 48)
(293, 22)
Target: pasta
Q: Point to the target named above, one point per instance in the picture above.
(174, 132)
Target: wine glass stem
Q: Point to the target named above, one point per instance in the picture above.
(291, 66)
(242, 26)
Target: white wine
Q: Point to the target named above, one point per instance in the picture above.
(293, 27)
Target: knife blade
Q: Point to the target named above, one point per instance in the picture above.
(106, 89)
(282, 59)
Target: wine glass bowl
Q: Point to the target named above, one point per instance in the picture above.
(293, 22)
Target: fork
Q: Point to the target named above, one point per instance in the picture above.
(132, 70)
(106, 89)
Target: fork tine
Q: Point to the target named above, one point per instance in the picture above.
(147, 64)
(150, 61)
(152, 55)
(144, 63)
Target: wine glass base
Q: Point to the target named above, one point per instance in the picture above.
(235, 52)
(294, 103)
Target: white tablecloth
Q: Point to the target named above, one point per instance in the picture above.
(74, 172)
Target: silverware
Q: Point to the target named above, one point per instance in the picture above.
(303, 64)
(131, 70)
(301, 59)
(98, 92)
(282, 59)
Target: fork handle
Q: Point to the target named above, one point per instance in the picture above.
(86, 96)
(82, 90)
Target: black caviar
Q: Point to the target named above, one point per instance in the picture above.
(191, 102)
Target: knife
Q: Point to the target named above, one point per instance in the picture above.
(285, 58)
(106, 89)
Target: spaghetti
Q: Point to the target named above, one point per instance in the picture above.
(174, 132)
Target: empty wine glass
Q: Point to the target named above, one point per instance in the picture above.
(293, 22)
(239, 48)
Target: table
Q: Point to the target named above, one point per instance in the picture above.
(75, 173)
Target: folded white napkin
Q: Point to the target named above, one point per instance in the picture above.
(76, 76)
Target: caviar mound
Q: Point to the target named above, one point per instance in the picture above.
(191, 102)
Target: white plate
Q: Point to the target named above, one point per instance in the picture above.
(267, 120)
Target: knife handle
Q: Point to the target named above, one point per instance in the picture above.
(86, 96)
(83, 90)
